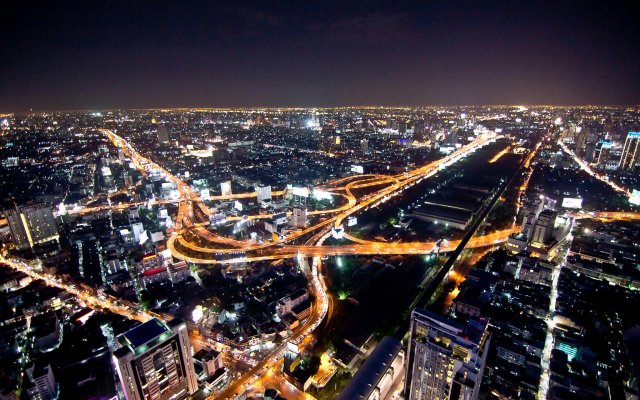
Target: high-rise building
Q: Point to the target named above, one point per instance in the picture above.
(601, 152)
(543, 227)
(364, 145)
(263, 193)
(445, 359)
(154, 361)
(298, 217)
(631, 152)
(32, 225)
(225, 188)
(163, 134)
(42, 382)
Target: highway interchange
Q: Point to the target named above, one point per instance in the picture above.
(190, 224)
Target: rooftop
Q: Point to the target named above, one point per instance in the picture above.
(368, 376)
(145, 333)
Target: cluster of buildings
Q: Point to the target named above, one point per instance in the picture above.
(519, 327)
(544, 228)
(443, 359)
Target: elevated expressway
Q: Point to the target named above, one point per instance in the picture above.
(208, 245)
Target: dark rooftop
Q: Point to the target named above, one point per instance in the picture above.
(367, 377)
(145, 332)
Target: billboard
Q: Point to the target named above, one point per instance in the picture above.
(237, 205)
(319, 194)
(358, 169)
(572, 202)
(351, 221)
(337, 233)
(635, 197)
(300, 191)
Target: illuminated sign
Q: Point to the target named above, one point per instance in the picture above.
(446, 149)
(337, 233)
(197, 313)
(635, 197)
(351, 221)
(300, 191)
(358, 169)
(572, 202)
(634, 135)
(319, 194)
(237, 205)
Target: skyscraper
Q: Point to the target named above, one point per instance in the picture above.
(445, 360)
(298, 217)
(163, 134)
(225, 188)
(263, 193)
(601, 152)
(364, 145)
(32, 225)
(42, 384)
(154, 361)
(543, 227)
(631, 152)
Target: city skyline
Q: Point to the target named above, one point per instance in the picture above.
(70, 56)
(320, 200)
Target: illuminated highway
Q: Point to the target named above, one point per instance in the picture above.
(94, 301)
(265, 373)
(202, 254)
(586, 168)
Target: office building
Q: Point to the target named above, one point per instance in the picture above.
(154, 361)
(42, 385)
(225, 188)
(543, 227)
(377, 376)
(163, 134)
(263, 193)
(298, 217)
(631, 152)
(32, 225)
(601, 153)
(445, 360)
(364, 145)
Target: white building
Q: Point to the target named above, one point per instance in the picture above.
(263, 193)
(225, 188)
(298, 217)
(137, 228)
(286, 304)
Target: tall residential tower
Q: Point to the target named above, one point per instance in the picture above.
(445, 360)
(32, 225)
(154, 361)
(631, 152)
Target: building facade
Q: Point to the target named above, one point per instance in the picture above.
(32, 225)
(445, 360)
(154, 361)
(630, 152)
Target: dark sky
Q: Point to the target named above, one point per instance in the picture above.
(58, 55)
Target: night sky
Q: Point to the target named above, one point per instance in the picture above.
(60, 55)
